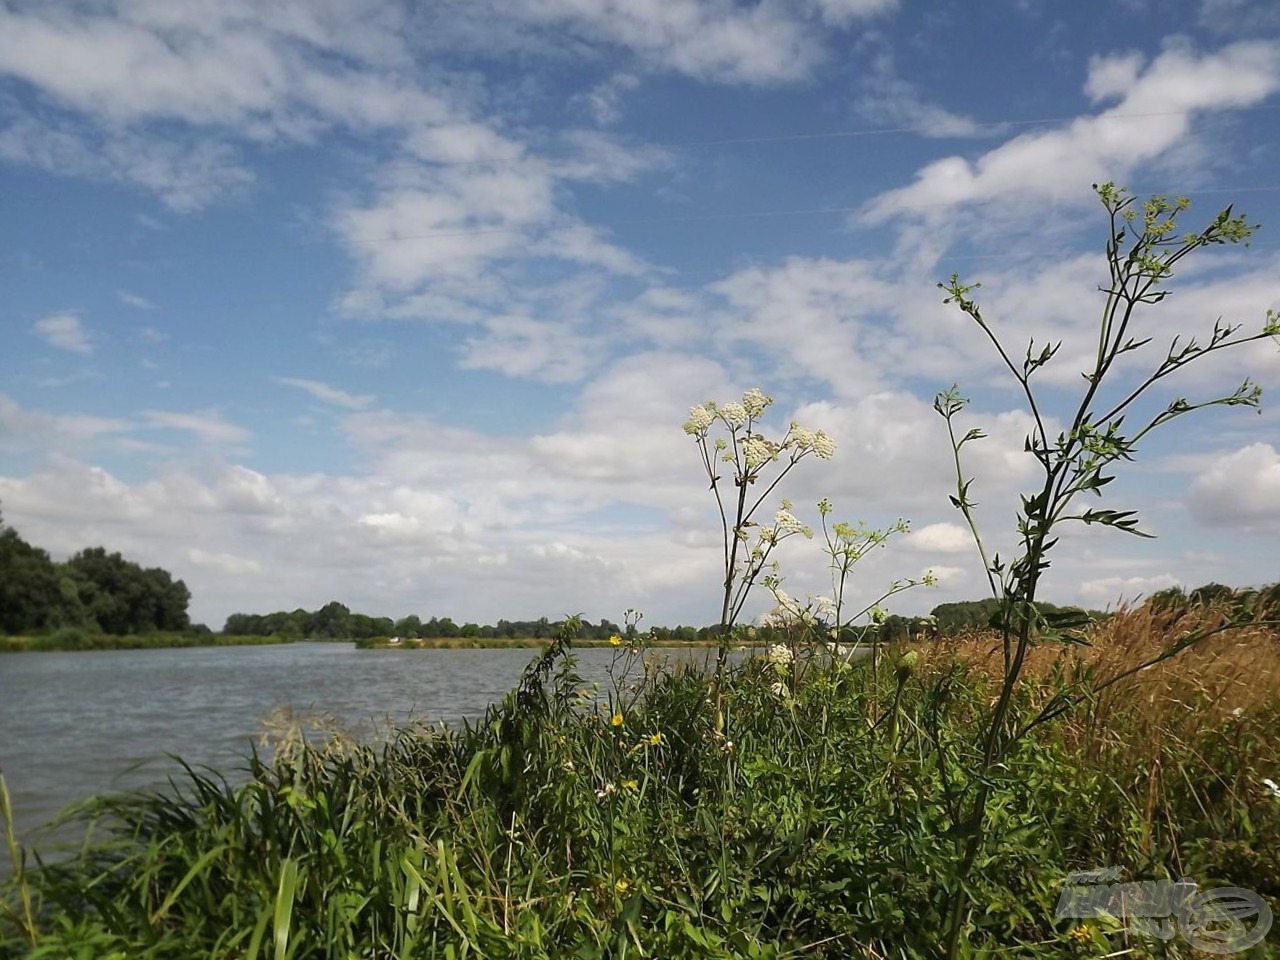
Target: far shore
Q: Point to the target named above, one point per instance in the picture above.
(73, 641)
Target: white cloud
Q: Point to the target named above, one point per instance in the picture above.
(64, 331)
(134, 300)
(1111, 592)
(328, 394)
(37, 427)
(603, 102)
(223, 562)
(940, 538)
(1154, 113)
(1241, 490)
(207, 427)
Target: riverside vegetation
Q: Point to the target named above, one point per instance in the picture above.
(928, 801)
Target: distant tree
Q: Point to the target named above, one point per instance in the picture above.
(31, 589)
(330, 622)
(410, 626)
(121, 597)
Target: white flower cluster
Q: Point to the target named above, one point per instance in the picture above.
(788, 522)
(802, 438)
(780, 655)
(734, 414)
(757, 450)
(700, 419)
(755, 401)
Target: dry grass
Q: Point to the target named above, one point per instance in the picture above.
(1237, 669)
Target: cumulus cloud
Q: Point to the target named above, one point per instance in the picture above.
(1110, 592)
(1240, 490)
(64, 331)
(1155, 111)
(940, 538)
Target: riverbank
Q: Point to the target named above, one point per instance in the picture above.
(75, 639)
(810, 810)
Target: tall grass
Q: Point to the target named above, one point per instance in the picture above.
(621, 823)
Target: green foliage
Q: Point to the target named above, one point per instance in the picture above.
(618, 823)
(93, 589)
(1143, 249)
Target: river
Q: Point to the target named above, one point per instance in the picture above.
(76, 724)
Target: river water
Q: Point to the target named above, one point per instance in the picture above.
(82, 723)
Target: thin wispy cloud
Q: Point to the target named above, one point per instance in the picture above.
(328, 394)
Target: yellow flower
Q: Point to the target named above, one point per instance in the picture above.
(1080, 934)
(615, 640)
(630, 785)
(622, 886)
(655, 739)
(616, 719)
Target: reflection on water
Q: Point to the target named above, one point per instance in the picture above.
(75, 724)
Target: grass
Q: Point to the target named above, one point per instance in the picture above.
(73, 638)
(574, 823)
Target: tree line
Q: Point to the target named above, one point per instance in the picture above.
(335, 621)
(93, 590)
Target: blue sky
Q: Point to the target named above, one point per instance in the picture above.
(405, 307)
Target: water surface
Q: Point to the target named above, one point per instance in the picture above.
(80, 723)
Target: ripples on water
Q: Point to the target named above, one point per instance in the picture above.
(76, 724)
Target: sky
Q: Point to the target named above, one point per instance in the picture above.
(404, 305)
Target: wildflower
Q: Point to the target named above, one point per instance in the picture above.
(735, 414)
(801, 437)
(655, 739)
(615, 640)
(1272, 786)
(787, 522)
(780, 655)
(1080, 934)
(622, 886)
(630, 785)
(823, 446)
(754, 401)
(756, 450)
(616, 720)
(700, 418)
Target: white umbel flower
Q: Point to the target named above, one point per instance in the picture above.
(756, 450)
(754, 401)
(780, 655)
(801, 437)
(823, 446)
(735, 414)
(700, 418)
(787, 522)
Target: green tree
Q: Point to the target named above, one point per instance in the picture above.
(330, 622)
(31, 589)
